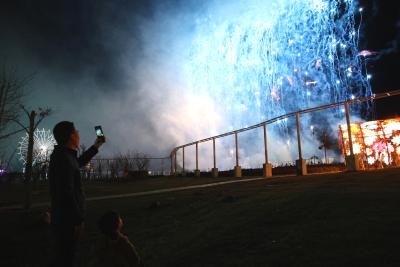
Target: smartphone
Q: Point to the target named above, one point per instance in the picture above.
(99, 132)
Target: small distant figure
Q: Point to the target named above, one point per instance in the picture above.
(114, 248)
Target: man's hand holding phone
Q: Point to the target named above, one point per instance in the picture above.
(101, 139)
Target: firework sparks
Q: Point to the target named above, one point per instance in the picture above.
(278, 52)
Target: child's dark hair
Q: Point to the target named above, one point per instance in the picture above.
(108, 223)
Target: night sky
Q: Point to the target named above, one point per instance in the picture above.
(381, 33)
(94, 63)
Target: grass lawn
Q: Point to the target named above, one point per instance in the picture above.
(14, 194)
(345, 219)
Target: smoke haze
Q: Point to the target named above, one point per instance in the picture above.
(121, 64)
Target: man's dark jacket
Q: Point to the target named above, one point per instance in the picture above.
(67, 196)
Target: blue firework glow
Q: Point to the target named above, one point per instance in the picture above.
(268, 58)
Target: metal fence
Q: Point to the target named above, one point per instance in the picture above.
(125, 168)
(351, 159)
(112, 169)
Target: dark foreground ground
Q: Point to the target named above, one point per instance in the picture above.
(345, 219)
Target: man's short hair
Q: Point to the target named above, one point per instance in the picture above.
(62, 132)
(108, 223)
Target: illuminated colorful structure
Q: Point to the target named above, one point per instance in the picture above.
(375, 143)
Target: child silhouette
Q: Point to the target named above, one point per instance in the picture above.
(114, 248)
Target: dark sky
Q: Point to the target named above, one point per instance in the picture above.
(72, 36)
(83, 54)
(381, 33)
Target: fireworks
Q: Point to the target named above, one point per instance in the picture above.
(43, 146)
(366, 53)
(278, 56)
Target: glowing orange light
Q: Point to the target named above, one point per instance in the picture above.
(375, 141)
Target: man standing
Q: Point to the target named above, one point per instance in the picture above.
(67, 196)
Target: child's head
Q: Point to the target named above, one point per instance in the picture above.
(110, 223)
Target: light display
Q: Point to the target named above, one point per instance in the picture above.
(376, 142)
(42, 147)
(263, 59)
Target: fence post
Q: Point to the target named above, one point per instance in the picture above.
(238, 169)
(171, 156)
(267, 167)
(197, 171)
(183, 161)
(301, 165)
(175, 163)
(214, 170)
(351, 160)
(108, 169)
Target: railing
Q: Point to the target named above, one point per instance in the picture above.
(267, 172)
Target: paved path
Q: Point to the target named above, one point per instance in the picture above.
(159, 191)
(145, 193)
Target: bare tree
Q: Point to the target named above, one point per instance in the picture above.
(120, 164)
(35, 118)
(125, 162)
(141, 161)
(327, 141)
(11, 97)
(11, 108)
(130, 161)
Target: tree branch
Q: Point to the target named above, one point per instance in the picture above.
(43, 114)
(26, 111)
(12, 133)
(20, 124)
